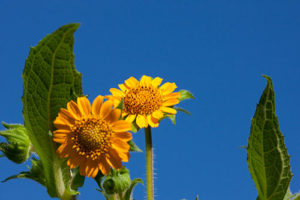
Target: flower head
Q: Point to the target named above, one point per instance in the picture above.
(145, 101)
(92, 137)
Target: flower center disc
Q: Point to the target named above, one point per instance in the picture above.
(92, 137)
(142, 100)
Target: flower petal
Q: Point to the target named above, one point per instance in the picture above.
(123, 87)
(168, 110)
(114, 159)
(125, 136)
(158, 114)
(104, 166)
(84, 105)
(168, 88)
(106, 109)
(91, 169)
(66, 115)
(114, 115)
(170, 102)
(73, 108)
(146, 80)
(97, 103)
(116, 92)
(141, 121)
(64, 150)
(152, 121)
(131, 82)
(130, 118)
(61, 123)
(174, 95)
(120, 145)
(156, 82)
(121, 126)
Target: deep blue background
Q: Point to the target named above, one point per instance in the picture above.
(217, 49)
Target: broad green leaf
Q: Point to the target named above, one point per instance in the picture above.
(134, 147)
(50, 80)
(18, 149)
(184, 94)
(35, 173)
(129, 191)
(268, 158)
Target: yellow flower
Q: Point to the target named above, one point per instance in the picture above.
(144, 100)
(92, 137)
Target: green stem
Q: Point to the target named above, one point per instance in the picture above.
(149, 163)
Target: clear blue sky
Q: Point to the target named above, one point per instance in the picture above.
(217, 49)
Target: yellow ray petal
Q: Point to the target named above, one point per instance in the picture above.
(123, 87)
(120, 144)
(125, 136)
(106, 109)
(130, 118)
(64, 150)
(156, 82)
(104, 166)
(114, 159)
(116, 92)
(141, 121)
(146, 80)
(84, 105)
(114, 115)
(73, 108)
(66, 115)
(97, 103)
(152, 121)
(121, 126)
(158, 114)
(168, 110)
(168, 88)
(170, 102)
(174, 95)
(131, 82)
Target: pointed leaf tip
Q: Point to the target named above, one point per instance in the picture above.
(268, 159)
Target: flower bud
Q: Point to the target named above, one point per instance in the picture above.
(18, 146)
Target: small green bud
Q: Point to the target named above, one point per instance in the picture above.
(18, 147)
(118, 181)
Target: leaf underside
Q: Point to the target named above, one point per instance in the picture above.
(268, 158)
(50, 80)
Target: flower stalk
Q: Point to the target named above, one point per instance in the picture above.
(149, 163)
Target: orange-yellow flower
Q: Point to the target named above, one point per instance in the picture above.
(92, 137)
(144, 101)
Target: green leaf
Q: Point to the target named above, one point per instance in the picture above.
(50, 80)
(297, 197)
(182, 110)
(77, 180)
(134, 147)
(129, 191)
(268, 158)
(99, 179)
(134, 127)
(184, 95)
(197, 198)
(18, 149)
(35, 173)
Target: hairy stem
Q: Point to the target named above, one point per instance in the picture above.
(149, 163)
